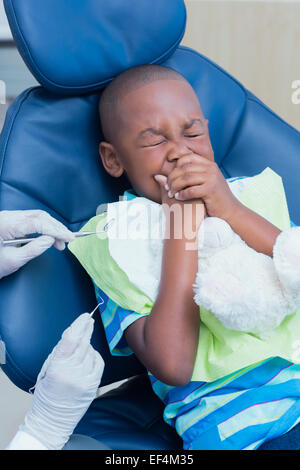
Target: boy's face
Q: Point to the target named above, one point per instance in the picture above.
(160, 122)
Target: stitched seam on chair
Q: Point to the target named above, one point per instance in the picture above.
(17, 370)
(262, 105)
(212, 63)
(35, 199)
(243, 89)
(6, 135)
(145, 426)
(8, 125)
(49, 208)
(224, 169)
(236, 133)
(153, 421)
(24, 47)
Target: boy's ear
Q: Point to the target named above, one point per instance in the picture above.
(110, 159)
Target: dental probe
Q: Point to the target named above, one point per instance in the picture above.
(92, 313)
(23, 241)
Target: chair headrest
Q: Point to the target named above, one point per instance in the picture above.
(74, 47)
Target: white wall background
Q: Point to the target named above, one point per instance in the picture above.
(13, 71)
(4, 28)
(257, 42)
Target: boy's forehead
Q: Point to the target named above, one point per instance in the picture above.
(160, 96)
(171, 87)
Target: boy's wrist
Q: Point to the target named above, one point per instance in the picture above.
(237, 211)
(182, 220)
(189, 214)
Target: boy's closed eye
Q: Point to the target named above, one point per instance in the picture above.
(156, 136)
(164, 140)
(154, 144)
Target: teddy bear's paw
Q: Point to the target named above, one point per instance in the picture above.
(226, 300)
(242, 296)
(225, 295)
(217, 289)
(286, 257)
(214, 234)
(287, 247)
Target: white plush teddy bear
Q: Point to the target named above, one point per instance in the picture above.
(246, 290)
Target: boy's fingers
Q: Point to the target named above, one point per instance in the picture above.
(41, 222)
(33, 249)
(161, 179)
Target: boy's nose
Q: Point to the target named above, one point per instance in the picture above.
(178, 150)
(176, 154)
(170, 162)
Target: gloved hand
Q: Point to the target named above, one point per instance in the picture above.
(18, 224)
(66, 386)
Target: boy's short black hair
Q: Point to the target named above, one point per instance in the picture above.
(127, 81)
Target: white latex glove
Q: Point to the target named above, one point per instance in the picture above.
(18, 224)
(65, 387)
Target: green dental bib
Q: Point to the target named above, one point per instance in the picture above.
(220, 351)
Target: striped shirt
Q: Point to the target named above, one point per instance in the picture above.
(239, 411)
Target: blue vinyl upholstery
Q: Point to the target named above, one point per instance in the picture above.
(116, 34)
(49, 160)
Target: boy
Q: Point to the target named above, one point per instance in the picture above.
(155, 133)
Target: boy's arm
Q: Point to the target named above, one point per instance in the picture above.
(255, 230)
(166, 341)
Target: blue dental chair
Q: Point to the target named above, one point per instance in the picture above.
(49, 160)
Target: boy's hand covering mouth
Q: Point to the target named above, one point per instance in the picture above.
(164, 182)
(196, 177)
(191, 220)
(165, 198)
